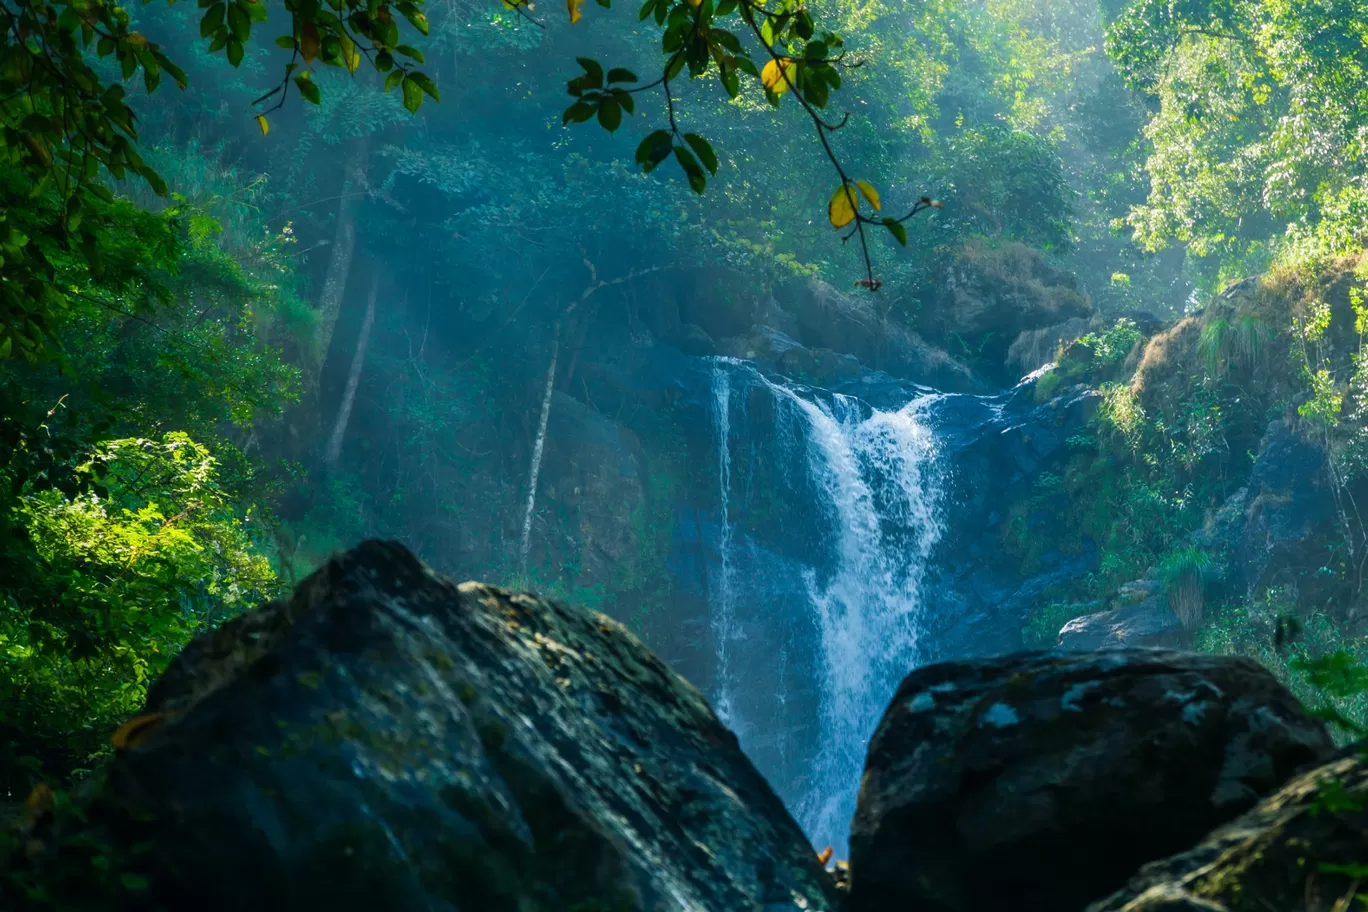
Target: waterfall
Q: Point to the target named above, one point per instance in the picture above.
(723, 621)
(871, 494)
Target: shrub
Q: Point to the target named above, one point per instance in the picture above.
(1182, 573)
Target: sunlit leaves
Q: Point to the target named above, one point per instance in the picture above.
(841, 209)
(778, 75)
(869, 193)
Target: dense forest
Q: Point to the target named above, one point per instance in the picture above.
(281, 277)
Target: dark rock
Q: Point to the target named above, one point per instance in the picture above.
(1144, 623)
(829, 319)
(1301, 848)
(990, 294)
(1034, 348)
(691, 339)
(1291, 508)
(387, 739)
(1041, 780)
(994, 448)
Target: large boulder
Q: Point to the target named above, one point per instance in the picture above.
(1300, 849)
(386, 739)
(1149, 622)
(827, 318)
(1042, 780)
(1290, 513)
(990, 294)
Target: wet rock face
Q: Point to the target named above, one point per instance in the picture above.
(1301, 848)
(1042, 780)
(387, 739)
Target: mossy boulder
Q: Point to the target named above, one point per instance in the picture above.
(1042, 780)
(387, 739)
(1302, 848)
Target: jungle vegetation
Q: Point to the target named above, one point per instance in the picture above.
(215, 218)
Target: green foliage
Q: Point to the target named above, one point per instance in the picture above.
(1181, 573)
(1114, 344)
(1241, 88)
(65, 127)
(120, 561)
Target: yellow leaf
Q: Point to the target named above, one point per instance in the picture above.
(772, 77)
(574, 7)
(870, 194)
(261, 122)
(132, 732)
(351, 57)
(824, 856)
(841, 209)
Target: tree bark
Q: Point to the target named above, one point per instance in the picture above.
(525, 545)
(334, 448)
(343, 247)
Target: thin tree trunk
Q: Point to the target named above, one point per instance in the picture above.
(334, 448)
(344, 246)
(525, 546)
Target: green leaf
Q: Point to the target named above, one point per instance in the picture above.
(308, 89)
(593, 71)
(618, 74)
(234, 51)
(210, 23)
(425, 83)
(815, 50)
(413, 95)
(896, 229)
(393, 79)
(410, 52)
(286, 41)
(703, 150)
(609, 114)
(578, 112)
(238, 23)
(697, 180)
(654, 149)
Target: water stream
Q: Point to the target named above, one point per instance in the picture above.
(836, 581)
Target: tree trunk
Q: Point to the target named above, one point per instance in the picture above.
(334, 448)
(344, 245)
(525, 546)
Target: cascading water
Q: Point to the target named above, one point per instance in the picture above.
(723, 622)
(869, 501)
